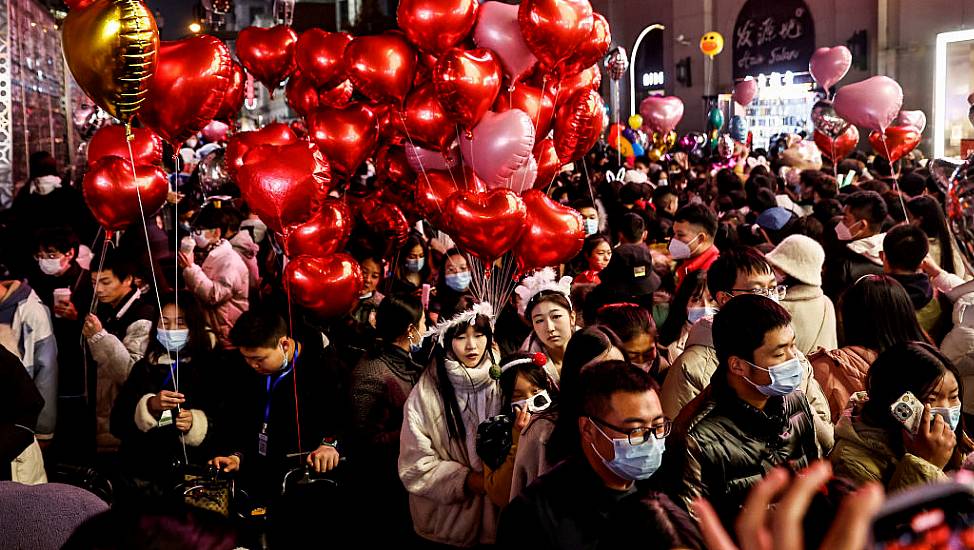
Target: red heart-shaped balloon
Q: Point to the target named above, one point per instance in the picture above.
(392, 167)
(436, 25)
(329, 287)
(301, 94)
(539, 105)
(78, 4)
(437, 186)
(578, 125)
(346, 135)
(426, 121)
(840, 146)
(325, 233)
(215, 131)
(110, 140)
(188, 87)
(389, 118)
(385, 221)
(339, 95)
(553, 234)
(548, 163)
(320, 55)
(381, 66)
(234, 98)
(592, 50)
(284, 184)
(589, 79)
(899, 141)
(485, 224)
(112, 191)
(275, 133)
(553, 29)
(467, 83)
(268, 54)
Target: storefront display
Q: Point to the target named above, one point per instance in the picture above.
(953, 133)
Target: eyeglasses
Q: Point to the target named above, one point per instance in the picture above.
(640, 435)
(778, 292)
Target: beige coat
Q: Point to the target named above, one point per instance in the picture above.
(692, 370)
(813, 317)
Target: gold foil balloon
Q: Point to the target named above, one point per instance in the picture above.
(111, 48)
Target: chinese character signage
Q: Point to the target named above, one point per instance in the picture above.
(770, 37)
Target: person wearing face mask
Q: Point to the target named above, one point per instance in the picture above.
(438, 460)
(690, 304)
(797, 262)
(264, 402)
(859, 241)
(750, 419)
(379, 386)
(590, 216)
(453, 284)
(692, 245)
(171, 398)
(739, 271)
(411, 268)
(623, 435)
(222, 282)
(872, 445)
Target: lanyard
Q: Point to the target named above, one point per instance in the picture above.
(272, 385)
(172, 368)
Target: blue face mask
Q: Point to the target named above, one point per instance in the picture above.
(785, 378)
(591, 226)
(458, 281)
(415, 266)
(173, 340)
(633, 462)
(694, 314)
(950, 414)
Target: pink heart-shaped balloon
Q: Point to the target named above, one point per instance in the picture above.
(661, 113)
(872, 103)
(829, 65)
(501, 145)
(498, 30)
(917, 119)
(745, 91)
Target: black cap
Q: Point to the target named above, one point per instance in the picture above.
(630, 271)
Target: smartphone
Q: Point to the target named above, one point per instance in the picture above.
(927, 517)
(425, 296)
(908, 410)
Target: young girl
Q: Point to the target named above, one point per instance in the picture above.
(548, 309)
(438, 462)
(528, 393)
(635, 328)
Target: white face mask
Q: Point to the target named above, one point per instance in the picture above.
(50, 266)
(201, 238)
(680, 250)
(843, 232)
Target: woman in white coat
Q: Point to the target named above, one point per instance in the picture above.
(438, 462)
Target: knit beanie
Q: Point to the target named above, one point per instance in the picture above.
(800, 257)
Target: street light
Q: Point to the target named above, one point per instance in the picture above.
(195, 27)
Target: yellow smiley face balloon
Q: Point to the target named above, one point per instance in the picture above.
(711, 44)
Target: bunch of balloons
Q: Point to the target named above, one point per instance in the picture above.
(660, 115)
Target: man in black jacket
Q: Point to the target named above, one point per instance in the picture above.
(284, 375)
(750, 418)
(622, 437)
(859, 240)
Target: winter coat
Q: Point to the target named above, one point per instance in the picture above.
(20, 404)
(813, 317)
(26, 331)
(864, 452)
(148, 449)
(721, 446)
(222, 285)
(245, 247)
(691, 372)
(847, 262)
(531, 461)
(115, 349)
(841, 373)
(434, 468)
(70, 355)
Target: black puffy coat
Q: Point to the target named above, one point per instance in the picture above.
(721, 446)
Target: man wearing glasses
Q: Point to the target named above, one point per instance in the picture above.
(753, 416)
(622, 435)
(738, 271)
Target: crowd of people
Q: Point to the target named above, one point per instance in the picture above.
(721, 331)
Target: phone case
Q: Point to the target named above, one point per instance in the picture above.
(908, 410)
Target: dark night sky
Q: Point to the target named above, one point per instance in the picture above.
(178, 15)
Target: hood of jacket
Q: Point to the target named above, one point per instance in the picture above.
(869, 248)
(918, 286)
(244, 244)
(13, 293)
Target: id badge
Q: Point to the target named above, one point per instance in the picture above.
(262, 444)
(165, 419)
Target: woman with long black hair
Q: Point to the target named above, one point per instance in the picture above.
(438, 461)
(929, 216)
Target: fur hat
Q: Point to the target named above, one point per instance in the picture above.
(800, 257)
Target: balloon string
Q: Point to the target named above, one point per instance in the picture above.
(94, 299)
(835, 161)
(896, 177)
(145, 227)
(473, 166)
(175, 184)
(294, 368)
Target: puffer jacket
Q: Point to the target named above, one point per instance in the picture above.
(692, 370)
(864, 452)
(841, 373)
(813, 317)
(245, 247)
(222, 285)
(721, 446)
(434, 468)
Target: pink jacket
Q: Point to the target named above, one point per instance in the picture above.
(841, 373)
(244, 245)
(222, 285)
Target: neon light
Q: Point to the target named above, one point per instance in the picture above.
(940, 86)
(635, 54)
